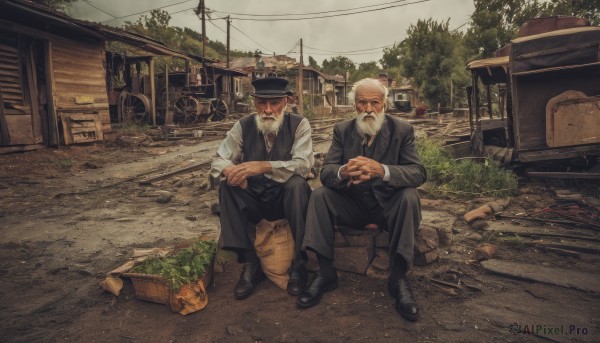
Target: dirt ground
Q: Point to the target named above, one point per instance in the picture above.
(68, 216)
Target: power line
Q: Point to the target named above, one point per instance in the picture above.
(333, 15)
(463, 24)
(244, 44)
(308, 13)
(350, 54)
(343, 52)
(294, 47)
(99, 9)
(262, 46)
(157, 8)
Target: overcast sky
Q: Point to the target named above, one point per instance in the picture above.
(332, 36)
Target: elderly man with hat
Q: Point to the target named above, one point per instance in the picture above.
(262, 164)
(370, 175)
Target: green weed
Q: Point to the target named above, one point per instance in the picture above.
(464, 178)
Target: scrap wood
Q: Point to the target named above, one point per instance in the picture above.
(472, 287)
(554, 221)
(574, 210)
(563, 252)
(445, 283)
(113, 283)
(445, 290)
(584, 281)
(190, 168)
(533, 232)
(590, 249)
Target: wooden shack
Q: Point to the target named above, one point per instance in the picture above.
(52, 79)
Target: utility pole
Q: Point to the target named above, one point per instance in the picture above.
(228, 24)
(300, 80)
(203, 10)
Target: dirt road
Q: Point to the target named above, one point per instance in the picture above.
(68, 216)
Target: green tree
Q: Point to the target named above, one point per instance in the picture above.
(589, 9)
(495, 22)
(338, 65)
(391, 57)
(391, 61)
(313, 63)
(61, 5)
(434, 58)
(367, 69)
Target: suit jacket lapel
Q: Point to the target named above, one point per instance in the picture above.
(383, 141)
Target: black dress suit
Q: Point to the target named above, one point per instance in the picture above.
(392, 204)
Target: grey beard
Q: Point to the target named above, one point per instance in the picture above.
(268, 126)
(370, 128)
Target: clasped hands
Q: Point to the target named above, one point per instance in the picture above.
(238, 174)
(361, 169)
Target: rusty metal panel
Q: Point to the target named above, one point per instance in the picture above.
(572, 118)
(547, 24)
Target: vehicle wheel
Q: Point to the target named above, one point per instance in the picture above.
(136, 108)
(218, 110)
(186, 110)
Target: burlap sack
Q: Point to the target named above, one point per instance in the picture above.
(274, 246)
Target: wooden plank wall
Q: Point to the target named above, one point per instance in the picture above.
(79, 71)
(16, 116)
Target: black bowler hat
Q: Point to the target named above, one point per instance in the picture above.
(270, 87)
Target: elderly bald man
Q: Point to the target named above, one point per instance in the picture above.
(370, 175)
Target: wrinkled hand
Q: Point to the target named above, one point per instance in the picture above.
(361, 169)
(237, 175)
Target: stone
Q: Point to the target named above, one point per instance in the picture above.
(474, 236)
(485, 251)
(163, 197)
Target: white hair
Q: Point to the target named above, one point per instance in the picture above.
(367, 82)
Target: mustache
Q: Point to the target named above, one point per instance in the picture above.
(264, 116)
(365, 115)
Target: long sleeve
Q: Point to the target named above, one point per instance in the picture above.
(333, 162)
(408, 172)
(302, 156)
(229, 152)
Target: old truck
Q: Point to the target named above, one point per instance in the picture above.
(547, 86)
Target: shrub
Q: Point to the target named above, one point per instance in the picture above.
(464, 178)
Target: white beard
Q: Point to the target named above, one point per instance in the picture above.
(267, 126)
(369, 127)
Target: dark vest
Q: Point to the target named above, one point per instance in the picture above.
(254, 148)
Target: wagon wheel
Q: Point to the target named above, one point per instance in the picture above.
(218, 110)
(186, 110)
(135, 108)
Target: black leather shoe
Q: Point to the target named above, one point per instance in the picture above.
(314, 291)
(251, 275)
(297, 282)
(405, 302)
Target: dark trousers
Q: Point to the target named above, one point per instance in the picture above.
(400, 216)
(242, 209)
